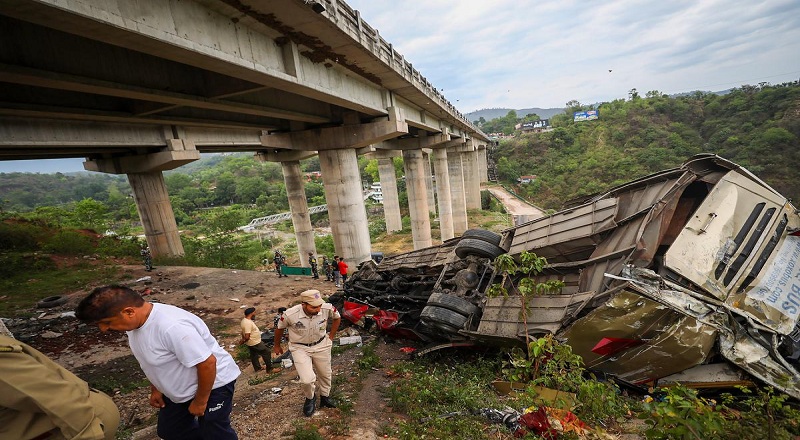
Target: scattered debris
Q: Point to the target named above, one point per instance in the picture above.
(347, 340)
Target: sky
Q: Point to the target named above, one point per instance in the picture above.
(522, 54)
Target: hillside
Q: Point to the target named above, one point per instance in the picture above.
(757, 127)
(492, 113)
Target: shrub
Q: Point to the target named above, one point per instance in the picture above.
(18, 237)
(14, 263)
(69, 242)
(118, 247)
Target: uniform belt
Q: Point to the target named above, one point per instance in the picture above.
(311, 344)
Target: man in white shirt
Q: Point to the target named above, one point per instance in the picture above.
(192, 378)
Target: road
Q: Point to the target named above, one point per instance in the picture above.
(520, 210)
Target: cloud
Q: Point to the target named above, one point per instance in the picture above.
(522, 54)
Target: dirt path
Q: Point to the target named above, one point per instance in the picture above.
(516, 207)
(266, 406)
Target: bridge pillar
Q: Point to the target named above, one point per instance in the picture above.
(426, 160)
(483, 165)
(346, 209)
(417, 198)
(455, 170)
(298, 205)
(150, 191)
(443, 192)
(155, 212)
(472, 184)
(391, 201)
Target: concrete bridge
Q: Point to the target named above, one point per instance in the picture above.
(140, 87)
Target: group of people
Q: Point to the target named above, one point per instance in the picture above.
(192, 378)
(335, 270)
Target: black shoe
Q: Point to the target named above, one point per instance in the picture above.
(309, 407)
(326, 402)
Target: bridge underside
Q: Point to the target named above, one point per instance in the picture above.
(141, 87)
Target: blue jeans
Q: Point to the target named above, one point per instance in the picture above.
(175, 422)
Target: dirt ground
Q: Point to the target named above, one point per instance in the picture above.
(515, 206)
(265, 405)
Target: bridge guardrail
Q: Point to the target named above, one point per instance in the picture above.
(275, 218)
(349, 20)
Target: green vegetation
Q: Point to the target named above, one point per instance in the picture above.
(754, 126)
(682, 414)
(304, 431)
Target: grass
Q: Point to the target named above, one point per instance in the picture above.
(303, 430)
(23, 290)
(126, 376)
(439, 393)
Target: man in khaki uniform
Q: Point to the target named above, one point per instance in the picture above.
(251, 336)
(40, 399)
(310, 345)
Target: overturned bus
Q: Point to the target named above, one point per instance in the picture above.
(687, 275)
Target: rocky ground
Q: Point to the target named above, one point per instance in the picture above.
(266, 405)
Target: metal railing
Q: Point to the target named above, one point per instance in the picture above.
(276, 218)
(349, 20)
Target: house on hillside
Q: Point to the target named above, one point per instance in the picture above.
(533, 126)
(526, 179)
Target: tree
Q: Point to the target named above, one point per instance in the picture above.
(91, 214)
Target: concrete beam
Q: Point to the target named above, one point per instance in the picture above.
(415, 143)
(74, 83)
(180, 152)
(283, 155)
(345, 136)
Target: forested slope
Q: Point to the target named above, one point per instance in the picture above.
(755, 126)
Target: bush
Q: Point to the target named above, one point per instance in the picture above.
(69, 242)
(18, 237)
(377, 226)
(14, 263)
(118, 247)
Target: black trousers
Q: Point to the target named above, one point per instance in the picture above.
(260, 350)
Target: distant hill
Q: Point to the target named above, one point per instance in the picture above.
(491, 113)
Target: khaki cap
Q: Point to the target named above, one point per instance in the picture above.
(312, 297)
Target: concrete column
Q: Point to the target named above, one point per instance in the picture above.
(346, 210)
(483, 164)
(457, 199)
(472, 184)
(391, 201)
(155, 212)
(443, 191)
(417, 198)
(298, 205)
(426, 160)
